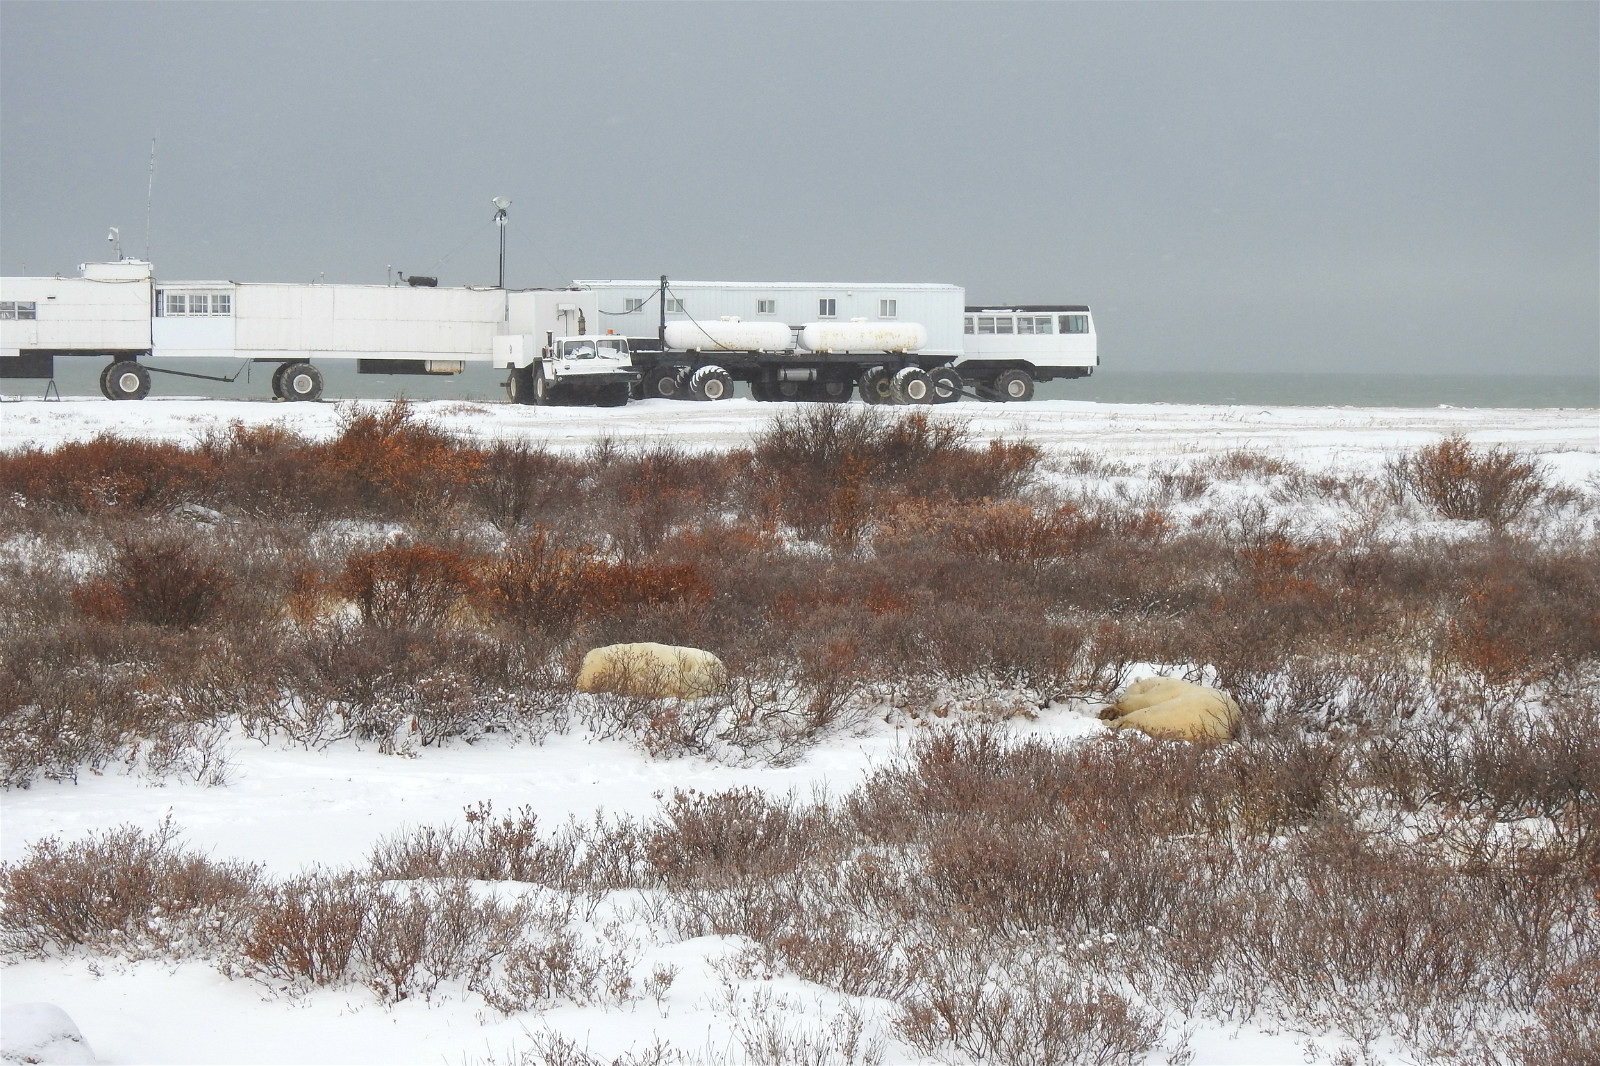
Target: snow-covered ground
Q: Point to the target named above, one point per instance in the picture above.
(292, 809)
(1316, 436)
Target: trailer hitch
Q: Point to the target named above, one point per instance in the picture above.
(191, 374)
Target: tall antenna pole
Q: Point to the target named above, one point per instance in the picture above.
(500, 205)
(149, 198)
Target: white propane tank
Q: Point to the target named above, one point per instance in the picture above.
(859, 335)
(728, 335)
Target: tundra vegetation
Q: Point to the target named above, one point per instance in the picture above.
(1401, 848)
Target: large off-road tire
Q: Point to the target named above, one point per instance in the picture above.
(874, 386)
(277, 380)
(947, 384)
(1014, 386)
(792, 390)
(519, 385)
(831, 391)
(105, 381)
(910, 385)
(613, 395)
(302, 382)
(663, 383)
(126, 380)
(710, 383)
(543, 391)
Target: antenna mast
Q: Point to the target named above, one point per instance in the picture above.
(149, 198)
(500, 205)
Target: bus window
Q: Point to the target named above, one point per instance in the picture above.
(1004, 324)
(1074, 323)
(985, 323)
(1042, 323)
(1025, 324)
(967, 325)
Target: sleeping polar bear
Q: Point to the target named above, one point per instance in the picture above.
(651, 671)
(1170, 708)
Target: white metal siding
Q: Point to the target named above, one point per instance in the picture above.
(366, 320)
(937, 307)
(75, 314)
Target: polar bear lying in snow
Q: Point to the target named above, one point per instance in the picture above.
(651, 671)
(1171, 708)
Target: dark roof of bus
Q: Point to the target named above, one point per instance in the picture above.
(1002, 308)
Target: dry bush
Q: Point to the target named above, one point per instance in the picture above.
(107, 474)
(708, 839)
(165, 581)
(308, 928)
(517, 481)
(1047, 1019)
(828, 470)
(120, 891)
(388, 462)
(490, 848)
(1462, 482)
(538, 583)
(409, 585)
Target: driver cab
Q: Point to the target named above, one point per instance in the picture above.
(607, 347)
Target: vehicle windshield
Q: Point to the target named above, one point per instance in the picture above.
(592, 347)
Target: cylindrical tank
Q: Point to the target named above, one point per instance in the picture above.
(863, 336)
(728, 335)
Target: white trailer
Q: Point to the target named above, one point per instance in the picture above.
(118, 312)
(104, 312)
(897, 343)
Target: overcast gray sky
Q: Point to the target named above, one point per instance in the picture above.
(1296, 186)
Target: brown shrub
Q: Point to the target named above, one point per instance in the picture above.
(165, 581)
(119, 890)
(108, 473)
(388, 462)
(1462, 482)
(412, 585)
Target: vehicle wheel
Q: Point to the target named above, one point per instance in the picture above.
(613, 395)
(105, 381)
(277, 380)
(833, 391)
(542, 392)
(302, 381)
(910, 384)
(664, 383)
(874, 385)
(1014, 386)
(947, 384)
(710, 383)
(126, 380)
(793, 390)
(762, 392)
(519, 386)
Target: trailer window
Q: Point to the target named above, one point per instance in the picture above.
(888, 308)
(967, 325)
(630, 305)
(175, 304)
(221, 303)
(674, 307)
(827, 308)
(766, 307)
(1074, 323)
(19, 309)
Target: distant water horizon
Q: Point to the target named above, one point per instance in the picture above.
(79, 377)
(1284, 389)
